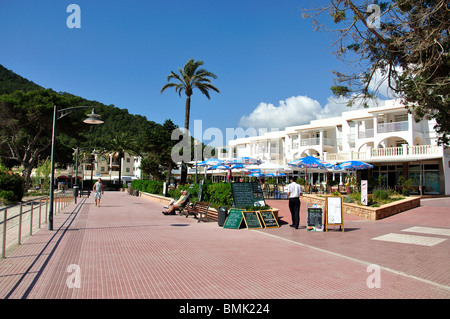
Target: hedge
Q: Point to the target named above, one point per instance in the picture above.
(216, 194)
(153, 187)
(12, 187)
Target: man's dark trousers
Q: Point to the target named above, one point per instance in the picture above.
(294, 207)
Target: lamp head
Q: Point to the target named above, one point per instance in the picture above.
(93, 119)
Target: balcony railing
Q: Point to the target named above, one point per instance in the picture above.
(418, 150)
(366, 134)
(389, 152)
(315, 141)
(309, 141)
(393, 127)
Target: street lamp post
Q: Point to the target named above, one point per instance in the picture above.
(57, 114)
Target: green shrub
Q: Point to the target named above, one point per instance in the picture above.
(7, 197)
(380, 194)
(406, 185)
(220, 193)
(335, 193)
(356, 196)
(11, 183)
(175, 192)
(153, 187)
(348, 199)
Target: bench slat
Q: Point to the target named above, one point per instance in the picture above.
(200, 209)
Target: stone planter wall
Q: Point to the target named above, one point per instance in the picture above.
(157, 198)
(372, 213)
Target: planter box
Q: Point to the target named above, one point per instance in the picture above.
(372, 213)
(157, 198)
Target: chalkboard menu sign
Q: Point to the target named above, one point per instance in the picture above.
(268, 219)
(314, 217)
(252, 220)
(247, 194)
(234, 219)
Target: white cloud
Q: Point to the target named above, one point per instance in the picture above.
(296, 110)
(380, 84)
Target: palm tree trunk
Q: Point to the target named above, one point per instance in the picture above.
(188, 112)
(186, 136)
(169, 173)
(120, 171)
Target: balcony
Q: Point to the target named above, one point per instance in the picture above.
(369, 133)
(314, 141)
(392, 127)
(408, 151)
(309, 141)
(389, 154)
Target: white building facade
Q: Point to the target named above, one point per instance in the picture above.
(104, 166)
(386, 137)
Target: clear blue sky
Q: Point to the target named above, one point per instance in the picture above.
(271, 64)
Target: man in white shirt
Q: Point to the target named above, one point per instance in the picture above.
(294, 192)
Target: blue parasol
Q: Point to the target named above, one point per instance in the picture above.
(210, 161)
(259, 175)
(310, 162)
(221, 167)
(243, 160)
(275, 174)
(352, 166)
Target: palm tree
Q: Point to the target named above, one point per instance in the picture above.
(189, 78)
(121, 143)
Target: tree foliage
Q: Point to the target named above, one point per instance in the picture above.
(10, 82)
(405, 44)
(188, 79)
(158, 145)
(121, 143)
(26, 126)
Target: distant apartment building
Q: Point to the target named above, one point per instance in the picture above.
(386, 137)
(104, 166)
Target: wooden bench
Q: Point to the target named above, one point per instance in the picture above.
(201, 210)
(85, 192)
(182, 209)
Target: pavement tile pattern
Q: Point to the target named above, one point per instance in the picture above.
(127, 249)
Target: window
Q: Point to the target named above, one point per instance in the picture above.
(401, 118)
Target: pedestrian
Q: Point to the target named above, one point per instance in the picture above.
(98, 191)
(294, 192)
(180, 203)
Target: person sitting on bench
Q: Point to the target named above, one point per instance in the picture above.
(180, 203)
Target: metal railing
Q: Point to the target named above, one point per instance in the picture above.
(20, 221)
(403, 152)
(393, 127)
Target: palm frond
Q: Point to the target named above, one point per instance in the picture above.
(205, 73)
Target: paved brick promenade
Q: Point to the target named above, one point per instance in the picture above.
(127, 249)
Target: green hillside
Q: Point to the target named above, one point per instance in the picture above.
(10, 82)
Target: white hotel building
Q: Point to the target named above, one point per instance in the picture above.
(386, 137)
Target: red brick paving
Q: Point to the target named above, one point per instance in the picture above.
(127, 249)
